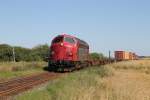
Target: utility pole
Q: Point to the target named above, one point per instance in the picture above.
(109, 55)
(14, 58)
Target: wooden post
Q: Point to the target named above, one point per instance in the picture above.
(14, 58)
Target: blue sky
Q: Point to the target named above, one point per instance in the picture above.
(104, 24)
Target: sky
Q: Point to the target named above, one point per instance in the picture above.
(104, 24)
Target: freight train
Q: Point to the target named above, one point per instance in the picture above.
(68, 53)
(124, 55)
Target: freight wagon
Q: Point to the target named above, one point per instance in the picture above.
(124, 55)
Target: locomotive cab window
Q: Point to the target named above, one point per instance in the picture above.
(69, 40)
(58, 39)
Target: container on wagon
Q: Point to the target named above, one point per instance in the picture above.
(121, 55)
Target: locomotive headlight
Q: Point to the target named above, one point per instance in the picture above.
(61, 44)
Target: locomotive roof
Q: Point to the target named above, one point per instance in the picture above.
(81, 42)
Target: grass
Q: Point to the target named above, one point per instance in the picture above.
(80, 85)
(127, 85)
(11, 69)
(8, 75)
(140, 65)
(118, 81)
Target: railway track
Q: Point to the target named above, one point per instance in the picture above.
(18, 85)
(15, 86)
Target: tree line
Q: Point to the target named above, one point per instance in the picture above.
(38, 53)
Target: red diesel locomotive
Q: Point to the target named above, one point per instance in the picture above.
(68, 53)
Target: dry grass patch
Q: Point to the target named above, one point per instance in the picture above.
(140, 65)
(20, 66)
(11, 69)
(126, 85)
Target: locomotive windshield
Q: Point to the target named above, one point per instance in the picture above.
(69, 40)
(58, 39)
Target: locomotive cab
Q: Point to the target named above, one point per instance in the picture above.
(62, 50)
(67, 52)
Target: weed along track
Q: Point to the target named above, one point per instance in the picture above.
(18, 85)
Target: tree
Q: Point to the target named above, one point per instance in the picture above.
(38, 53)
(41, 51)
(22, 54)
(6, 52)
(96, 56)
